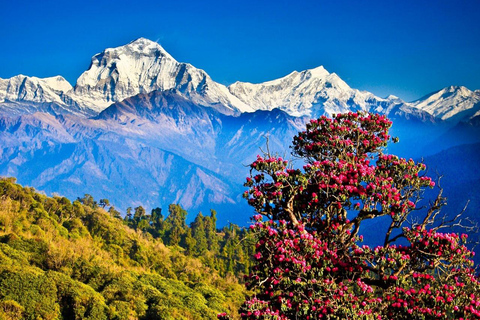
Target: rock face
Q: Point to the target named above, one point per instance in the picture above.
(140, 128)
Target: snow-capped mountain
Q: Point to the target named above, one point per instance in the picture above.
(311, 93)
(21, 95)
(115, 74)
(454, 102)
(143, 66)
(34, 89)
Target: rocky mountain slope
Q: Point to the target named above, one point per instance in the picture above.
(152, 150)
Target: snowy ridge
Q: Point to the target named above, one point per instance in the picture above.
(23, 88)
(143, 66)
(451, 102)
(24, 95)
(311, 92)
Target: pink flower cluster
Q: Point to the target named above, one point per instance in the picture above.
(310, 263)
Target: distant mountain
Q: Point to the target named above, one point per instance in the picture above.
(143, 66)
(451, 103)
(311, 93)
(23, 95)
(34, 89)
(169, 120)
(458, 167)
(140, 128)
(115, 74)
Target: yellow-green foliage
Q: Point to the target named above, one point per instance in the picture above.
(63, 260)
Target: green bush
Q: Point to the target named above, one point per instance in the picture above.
(32, 290)
(11, 310)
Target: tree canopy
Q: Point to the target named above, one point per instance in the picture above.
(64, 260)
(310, 259)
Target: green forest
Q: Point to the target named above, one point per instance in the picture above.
(81, 260)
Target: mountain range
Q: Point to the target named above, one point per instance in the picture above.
(141, 128)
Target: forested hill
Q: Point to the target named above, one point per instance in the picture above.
(64, 260)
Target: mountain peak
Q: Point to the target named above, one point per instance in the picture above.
(455, 88)
(318, 72)
(459, 90)
(118, 73)
(146, 46)
(143, 66)
(391, 97)
(450, 91)
(134, 50)
(310, 92)
(143, 40)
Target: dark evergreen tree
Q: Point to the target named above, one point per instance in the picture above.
(104, 203)
(139, 213)
(129, 215)
(190, 243)
(88, 200)
(114, 213)
(175, 225)
(211, 231)
(199, 234)
(157, 225)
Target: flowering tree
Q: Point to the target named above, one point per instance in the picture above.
(310, 261)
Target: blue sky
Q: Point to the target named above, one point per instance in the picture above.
(407, 48)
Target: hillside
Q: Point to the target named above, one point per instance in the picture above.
(64, 260)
